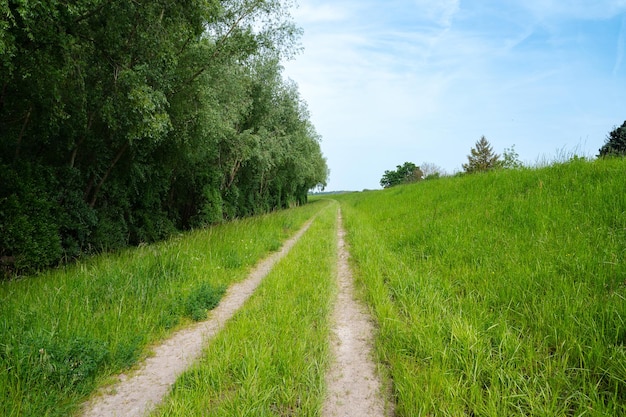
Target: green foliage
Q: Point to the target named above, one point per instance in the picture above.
(510, 159)
(29, 227)
(71, 365)
(143, 118)
(615, 142)
(499, 294)
(482, 158)
(404, 174)
(201, 299)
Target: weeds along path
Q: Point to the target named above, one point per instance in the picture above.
(353, 385)
(138, 394)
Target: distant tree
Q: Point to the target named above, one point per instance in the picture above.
(615, 143)
(406, 173)
(431, 171)
(510, 158)
(482, 158)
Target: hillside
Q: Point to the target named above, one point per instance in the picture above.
(501, 293)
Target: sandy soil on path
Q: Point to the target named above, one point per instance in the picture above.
(137, 395)
(353, 385)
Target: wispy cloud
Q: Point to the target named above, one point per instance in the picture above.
(393, 81)
(441, 11)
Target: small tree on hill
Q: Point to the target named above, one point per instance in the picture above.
(406, 173)
(482, 158)
(510, 158)
(432, 171)
(615, 143)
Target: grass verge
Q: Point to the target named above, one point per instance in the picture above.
(501, 294)
(270, 359)
(64, 331)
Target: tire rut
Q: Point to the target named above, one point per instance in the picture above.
(354, 388)
(137, 395)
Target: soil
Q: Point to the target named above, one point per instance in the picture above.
(137, 395)
(354, 388)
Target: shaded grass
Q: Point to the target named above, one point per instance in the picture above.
(64, 331)
(270, 359)
(499, 294)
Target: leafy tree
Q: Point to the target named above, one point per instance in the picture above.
(405, 173)
(615, 144)
(122, 121)
(482, 158)
(510, 158)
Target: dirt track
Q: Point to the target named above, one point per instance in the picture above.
(353, 387)
(137, 395)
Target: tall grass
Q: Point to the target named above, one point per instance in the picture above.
(270, 359)
(501, 294)
(64, 331)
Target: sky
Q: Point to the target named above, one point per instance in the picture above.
(394, 81)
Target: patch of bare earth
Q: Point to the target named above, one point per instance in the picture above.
(354, 388)
(137, 395)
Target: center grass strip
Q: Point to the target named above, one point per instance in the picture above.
(271, 358)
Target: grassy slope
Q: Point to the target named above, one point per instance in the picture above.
(499, 294)
(271, 357)
(63, 331)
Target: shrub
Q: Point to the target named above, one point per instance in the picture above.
(203, 298)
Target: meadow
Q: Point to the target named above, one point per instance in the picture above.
(498, 294)
(64, 331)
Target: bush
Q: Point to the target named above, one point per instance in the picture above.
(29, 230)
(201, 299)
(615, 144)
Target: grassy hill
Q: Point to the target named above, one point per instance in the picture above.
(499, 294)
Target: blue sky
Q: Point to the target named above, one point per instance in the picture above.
(422, 80)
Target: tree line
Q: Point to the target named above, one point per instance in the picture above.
(482, 158)
(124, 121)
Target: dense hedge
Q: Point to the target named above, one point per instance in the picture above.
(121, 122)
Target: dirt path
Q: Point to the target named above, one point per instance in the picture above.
(353, 385)
(135, 396)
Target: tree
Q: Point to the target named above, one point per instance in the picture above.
(431, 171)
(482, 158)
(510, 158)
(122, 121)
(615, 142)
(406, 173)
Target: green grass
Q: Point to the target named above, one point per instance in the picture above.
(270, 359)
(64, 331)
(500, 294)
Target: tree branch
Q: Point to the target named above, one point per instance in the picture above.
(19, 139)
(94, 196)
(219, 44)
